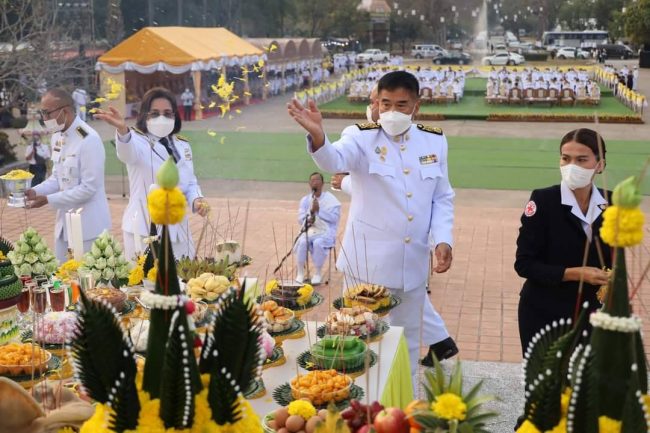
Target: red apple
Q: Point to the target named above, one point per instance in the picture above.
(391, 420)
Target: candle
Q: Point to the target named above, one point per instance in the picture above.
(68, 228)
(137, 240)
(77, 235)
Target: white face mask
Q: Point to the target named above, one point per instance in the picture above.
(161, 126)
(575, 176)
(369, 114)
(394, 122)
(53, 125)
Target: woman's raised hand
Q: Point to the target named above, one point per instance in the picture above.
(113, 118)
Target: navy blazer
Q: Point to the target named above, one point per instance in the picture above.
(551, 240)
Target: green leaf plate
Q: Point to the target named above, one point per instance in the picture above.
(305, 361)
(53, 365)
(277, 358)
(282, 396)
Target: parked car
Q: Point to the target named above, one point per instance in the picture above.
(453, 58)
(572, 53)
(373, 55)
(521, 47)
(503, 58)
(617, 51)
(455, 44)
(424, 51)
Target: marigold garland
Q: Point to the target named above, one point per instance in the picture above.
(449, 406)
(608, 425)
(152, 274)
(166, 206)
(622, 227)
(528, 427)
(137, 273)
(149, 421)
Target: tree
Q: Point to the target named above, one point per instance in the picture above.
(37, 51)
(636, 20)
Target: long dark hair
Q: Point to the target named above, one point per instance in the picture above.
(587, 137)
(145, 107)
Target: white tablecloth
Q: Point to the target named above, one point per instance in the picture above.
(375, 382)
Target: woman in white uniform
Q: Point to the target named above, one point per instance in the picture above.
(143, 149)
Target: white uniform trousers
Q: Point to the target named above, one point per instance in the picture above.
(61, 248)
(319, 246)
(423, 325)
(181, 248)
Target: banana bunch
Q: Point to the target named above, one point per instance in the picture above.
(207, 286)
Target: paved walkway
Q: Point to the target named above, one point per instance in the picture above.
(477, 297)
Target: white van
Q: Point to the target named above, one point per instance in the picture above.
(423, 51)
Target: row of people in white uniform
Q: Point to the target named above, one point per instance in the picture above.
(77, 179)
(534, 74)
(588, 88)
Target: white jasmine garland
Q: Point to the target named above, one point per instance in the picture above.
(602, 320)
(162, 302)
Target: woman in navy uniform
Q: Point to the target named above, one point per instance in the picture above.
(557, 223)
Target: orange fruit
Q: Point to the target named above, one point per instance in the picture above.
(415, 405)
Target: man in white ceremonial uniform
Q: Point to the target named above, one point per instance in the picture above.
(400, 196)
(144, 149)
(320, 213)
(77, 179)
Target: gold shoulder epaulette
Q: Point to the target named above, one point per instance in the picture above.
(180, 137)
(138, 131)
(368, 125)
(82, 132)
(436, 130)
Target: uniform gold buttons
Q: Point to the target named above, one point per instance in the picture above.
(402, 148)
(407, 171)
(410, 217)
(407, 240)
(409, 194)
(406, 137)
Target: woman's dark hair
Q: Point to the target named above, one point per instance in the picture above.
(586, 137)
(145, 107)
(399, 80)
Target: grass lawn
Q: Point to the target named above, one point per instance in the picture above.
(474, 162)
(473, 105)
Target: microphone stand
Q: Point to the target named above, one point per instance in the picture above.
(303, 229)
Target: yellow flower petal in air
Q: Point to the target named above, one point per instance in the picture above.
(247, 93)
(212, 104)
(223, 140)
(212, 133)
(99, 100)
(238, 111)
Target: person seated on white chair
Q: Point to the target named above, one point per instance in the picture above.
(319, 212)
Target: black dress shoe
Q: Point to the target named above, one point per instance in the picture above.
(444, 349)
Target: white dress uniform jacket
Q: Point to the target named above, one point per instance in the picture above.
(143, 154)
(77, 180)
(401, 196)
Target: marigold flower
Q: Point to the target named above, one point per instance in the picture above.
(167, 206)
(301, 408)
(622, 227)
(449, 406)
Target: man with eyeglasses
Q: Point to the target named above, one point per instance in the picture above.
(77, 179)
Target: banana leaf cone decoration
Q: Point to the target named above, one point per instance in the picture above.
(602, 386)
(230, 361)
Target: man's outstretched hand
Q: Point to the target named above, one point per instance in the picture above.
(310, 119)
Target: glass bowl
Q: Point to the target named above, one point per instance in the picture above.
(321, 387)
(39, 364)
